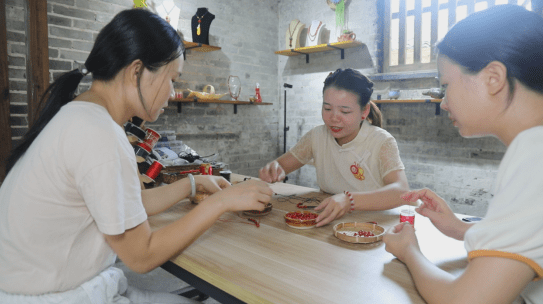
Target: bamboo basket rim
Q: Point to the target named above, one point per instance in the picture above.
(377, 230)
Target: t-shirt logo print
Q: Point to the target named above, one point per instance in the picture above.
(357, 171)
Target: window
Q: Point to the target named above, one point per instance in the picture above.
(411, 28)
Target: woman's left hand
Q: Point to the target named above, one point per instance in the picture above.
(210, 183)
(334, 207)
(400, 239)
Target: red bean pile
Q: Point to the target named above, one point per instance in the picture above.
(363, 233)
(302, 216)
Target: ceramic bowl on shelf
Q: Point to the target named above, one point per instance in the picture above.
(210, 94)
(301, 219)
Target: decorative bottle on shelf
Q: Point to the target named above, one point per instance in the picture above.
(257, 93)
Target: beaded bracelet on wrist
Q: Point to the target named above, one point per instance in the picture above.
(350, 199)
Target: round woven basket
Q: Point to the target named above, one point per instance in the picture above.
(377, 230)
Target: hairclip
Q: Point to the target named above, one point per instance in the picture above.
(83, 70)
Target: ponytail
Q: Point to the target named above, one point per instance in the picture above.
(131, 35)
(58, 94)
(375, 116)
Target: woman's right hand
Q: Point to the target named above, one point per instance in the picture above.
(272, 172)
(437, 210)
(247, 195)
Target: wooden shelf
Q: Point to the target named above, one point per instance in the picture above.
(320, 48)
(406, 100)
(200, 47)
(204, 100)
(436, 101)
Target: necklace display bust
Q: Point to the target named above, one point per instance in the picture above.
(314, 33)
(294, 30)
(200, 23)
(169, 11)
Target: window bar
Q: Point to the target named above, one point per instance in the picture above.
(383, 42)
(418, 32)
(402, 33)
(452, 12)
(471, 6)
(433, 39)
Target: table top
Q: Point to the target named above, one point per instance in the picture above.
(275, 263)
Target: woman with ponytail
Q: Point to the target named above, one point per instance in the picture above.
(351, 152)
(71, 201)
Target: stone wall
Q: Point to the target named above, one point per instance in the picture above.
(248, 32)
(435, 155)
(245, 30)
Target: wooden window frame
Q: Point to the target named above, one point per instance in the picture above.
(385, 20)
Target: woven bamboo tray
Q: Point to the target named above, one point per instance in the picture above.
(377, 230)
(298, 223)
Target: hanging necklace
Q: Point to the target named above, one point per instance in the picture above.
(292, 33)
(167, 12)
(312, 37)
(198, 31)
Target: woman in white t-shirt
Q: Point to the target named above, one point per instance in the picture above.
(355, 158)
(71, 201)
(491, 65)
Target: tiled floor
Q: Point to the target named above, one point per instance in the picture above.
(156, 280)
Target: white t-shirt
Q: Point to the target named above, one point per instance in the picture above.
(77, 181)
(359, 165)
(513, 225)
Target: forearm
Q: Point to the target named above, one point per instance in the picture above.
(289, 163)
(434, 284)
(158, 199)
(384, 198)
(144, 250)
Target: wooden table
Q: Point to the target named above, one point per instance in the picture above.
(235, 263)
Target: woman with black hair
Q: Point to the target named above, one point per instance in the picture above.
(355, 158)
(71, 201)
(491, 65)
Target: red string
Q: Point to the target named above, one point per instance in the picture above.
(151, 138)
(254, 221)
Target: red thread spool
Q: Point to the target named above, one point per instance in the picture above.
(153, 171)
(151, 138)
(206, 169)
(407, 215)
(142, 151)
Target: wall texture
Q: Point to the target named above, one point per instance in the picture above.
(248, 32)
(245, 30)
(435, 155)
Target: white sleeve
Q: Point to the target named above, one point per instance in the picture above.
(389, 157)
(112, 194)
(513, 225)
(303, 150)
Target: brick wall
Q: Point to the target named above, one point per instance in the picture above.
(245, 30)
(248, 32)
(435, 155)
(73, 26)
